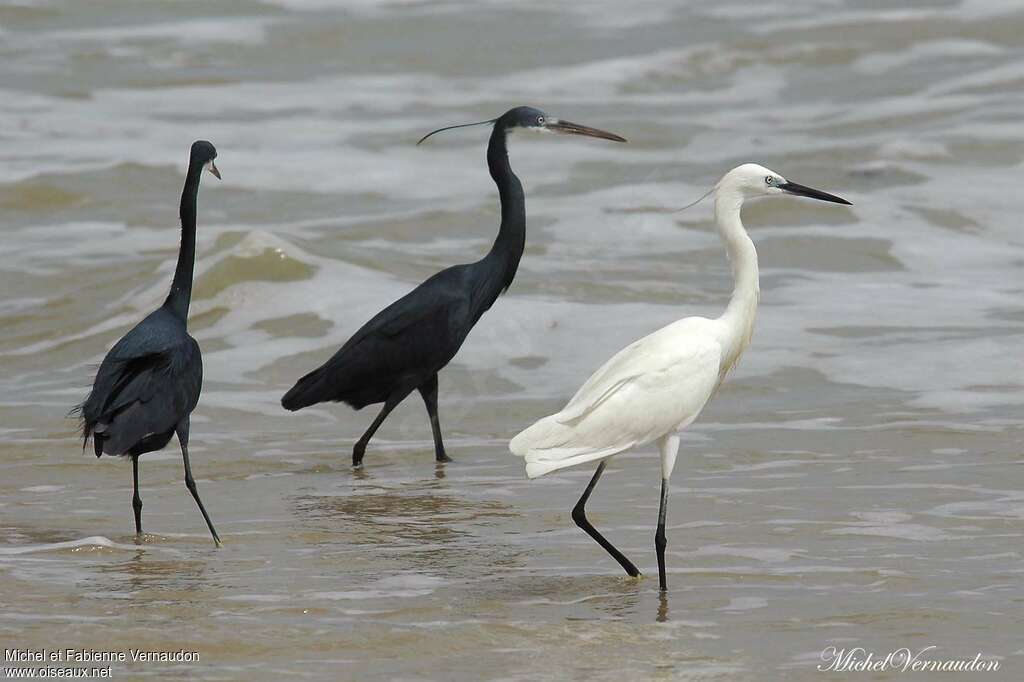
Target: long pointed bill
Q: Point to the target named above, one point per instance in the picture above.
(570, 128)
(802, 191)
(461, 125)
(213, 169)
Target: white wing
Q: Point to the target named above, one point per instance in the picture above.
(652, 387)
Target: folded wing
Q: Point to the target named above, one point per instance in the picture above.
(147, 384)
(651, 387)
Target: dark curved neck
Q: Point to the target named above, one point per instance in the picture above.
(508, 246)
(181, 286)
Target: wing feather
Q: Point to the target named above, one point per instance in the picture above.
(651, 387)
(148, 382)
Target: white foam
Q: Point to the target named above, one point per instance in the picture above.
(90, 543)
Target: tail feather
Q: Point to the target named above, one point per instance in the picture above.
(540, 462)
(89, 428)
(548, 446)
(98, 436)
(309, 390)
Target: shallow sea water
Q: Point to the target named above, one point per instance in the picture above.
(857, 482)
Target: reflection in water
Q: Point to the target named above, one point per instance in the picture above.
(391, 515)
(421, 524)
(662, 616)
(588, 597)
(365, 472)
(144, 570)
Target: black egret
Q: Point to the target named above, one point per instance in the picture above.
(404, 346)
(149, 382)
(658, 385)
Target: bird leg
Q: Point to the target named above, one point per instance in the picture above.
(659, 537)
(190, 482)
(579, 516)
(669, 447)
(359, 449)
(136, 500)
(429, 393)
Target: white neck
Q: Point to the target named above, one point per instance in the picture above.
(738, 318)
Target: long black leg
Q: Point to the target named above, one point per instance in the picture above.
(659, 536)
(136, 500)
(669, 446)
(429, 393)
(580, 517)
(360, 447)
(190, 482)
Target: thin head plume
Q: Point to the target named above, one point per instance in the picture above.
(461, 125)
(694, 203)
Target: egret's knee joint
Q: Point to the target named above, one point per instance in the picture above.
(579, 516)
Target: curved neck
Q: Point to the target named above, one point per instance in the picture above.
(738, 317)
(511, 240)
(181, 286)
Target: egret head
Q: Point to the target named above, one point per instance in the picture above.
(534, 120)
(752, 180)
(202, 156)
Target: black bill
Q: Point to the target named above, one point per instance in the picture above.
(802, 191)
(570, 128)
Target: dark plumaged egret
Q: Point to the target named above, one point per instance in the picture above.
(149, 382)
(404, 346)
(658, 385)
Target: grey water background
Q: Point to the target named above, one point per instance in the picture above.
(857, 482)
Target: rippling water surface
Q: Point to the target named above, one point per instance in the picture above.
(858, 482)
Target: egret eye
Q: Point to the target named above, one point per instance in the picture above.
(769, 180)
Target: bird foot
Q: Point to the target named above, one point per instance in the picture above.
(357, 455)
(443, 458)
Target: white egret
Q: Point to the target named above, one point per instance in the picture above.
(658, 385)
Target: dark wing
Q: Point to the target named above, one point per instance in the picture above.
(401, 346)
(148, 382)
(433, 300)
